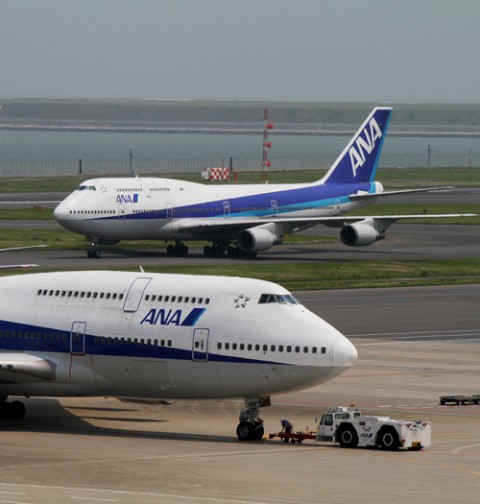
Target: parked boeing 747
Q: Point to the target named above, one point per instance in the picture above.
(238, 219)
(145, 337)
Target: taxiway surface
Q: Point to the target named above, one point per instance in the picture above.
(404, 241)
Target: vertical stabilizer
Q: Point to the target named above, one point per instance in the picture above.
(359, 160)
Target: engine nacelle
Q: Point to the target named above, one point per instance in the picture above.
(258, 238)
(360, 234)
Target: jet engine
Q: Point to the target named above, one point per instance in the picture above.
(360, 234)
(257, 238)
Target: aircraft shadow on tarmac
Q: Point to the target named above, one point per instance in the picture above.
(49, 416)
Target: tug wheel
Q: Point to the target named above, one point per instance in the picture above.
(347, 436)
(389, 440)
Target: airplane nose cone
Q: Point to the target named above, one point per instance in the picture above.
(343, 353)
(58, 212)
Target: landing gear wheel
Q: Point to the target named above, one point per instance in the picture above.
(347, 437)
(12, 410)
(177, 250)
(217, 249)
(247, 431)
(17, 410)
(389, 440)
(259, 432)
(94, 253)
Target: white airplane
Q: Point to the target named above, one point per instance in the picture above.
(238, 219)
(145, 337)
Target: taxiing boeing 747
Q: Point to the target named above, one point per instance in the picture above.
(145, 337)
(240, 220)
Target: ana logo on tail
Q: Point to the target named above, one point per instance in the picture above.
(364, 144)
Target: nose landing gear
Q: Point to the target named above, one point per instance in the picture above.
(251, 427)
(94, 251)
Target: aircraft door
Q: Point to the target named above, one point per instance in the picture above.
(226, 208)
(274, 204)
(145, 187)
(135, 293)
(337, 207)
(200, 345)
(77, 338)
(169, 210)
(121, 210)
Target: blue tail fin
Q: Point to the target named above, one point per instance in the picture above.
(358, 161)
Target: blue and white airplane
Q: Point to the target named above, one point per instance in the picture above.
(237, 219)
(146, 337)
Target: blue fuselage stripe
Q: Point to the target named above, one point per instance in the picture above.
(259, 205)
(18, 337)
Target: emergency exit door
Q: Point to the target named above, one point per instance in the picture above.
(135, 293)
(200, 345)
(77, 338)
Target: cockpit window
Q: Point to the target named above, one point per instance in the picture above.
(86, 188)
(278, 298)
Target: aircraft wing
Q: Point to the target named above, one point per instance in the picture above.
(200, 226)
(9, 266)
(25, 364)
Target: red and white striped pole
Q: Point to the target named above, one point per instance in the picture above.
(266, 145)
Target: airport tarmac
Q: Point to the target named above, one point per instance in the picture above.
(414, 345)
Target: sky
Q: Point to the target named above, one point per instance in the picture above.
(381, 51)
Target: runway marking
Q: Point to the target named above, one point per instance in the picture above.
(461, 448)
(411, 406)
(92, 499)
(127, 494)
(456, 335)
(14, 502)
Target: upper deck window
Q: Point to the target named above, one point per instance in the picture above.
(278, 298)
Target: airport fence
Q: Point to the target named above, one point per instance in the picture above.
(125, 167)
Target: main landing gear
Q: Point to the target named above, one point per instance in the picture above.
(250, 427)
(219, 249)
(177, 250)
(11, 410)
